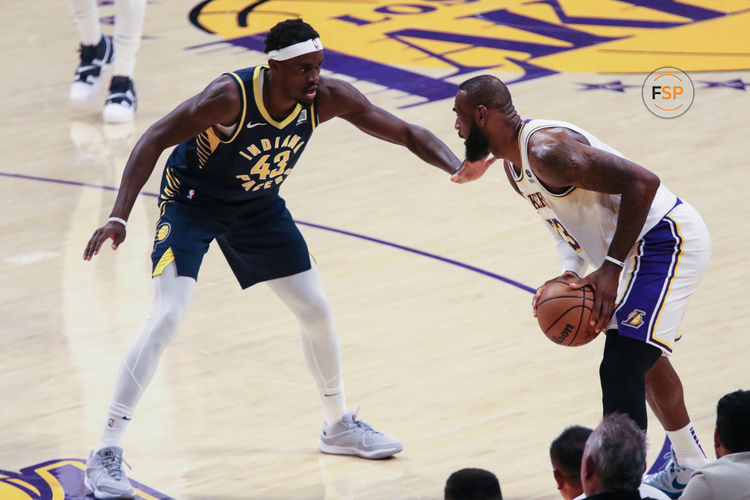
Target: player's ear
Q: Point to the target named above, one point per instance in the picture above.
(480, 115)
(559, 478)
(587, 468)
(717, 442)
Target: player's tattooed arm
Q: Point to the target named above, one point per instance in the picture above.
(337, 98)
(560, 159)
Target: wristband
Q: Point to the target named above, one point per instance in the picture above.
(615, 261)
(117, 219)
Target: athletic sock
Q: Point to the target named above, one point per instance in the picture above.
(334, 406)
(114, 429)
(687, 449)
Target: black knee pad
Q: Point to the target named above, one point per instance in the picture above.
(623, 375)
(629, 355)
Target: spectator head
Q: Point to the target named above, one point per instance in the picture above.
(732, 424)
(614, 457)
(472, 484)
(565, 453)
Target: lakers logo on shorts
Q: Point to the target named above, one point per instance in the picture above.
(635, 318)
(162, 232)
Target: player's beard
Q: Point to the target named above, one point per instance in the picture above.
(477, 144)
(304, 101)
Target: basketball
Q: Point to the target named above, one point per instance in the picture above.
(563, 313)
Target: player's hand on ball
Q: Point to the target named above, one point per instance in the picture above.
(472, 170)
(564, 276)
(111, 230)
(604, 281)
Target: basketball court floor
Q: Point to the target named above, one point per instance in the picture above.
(429, 281)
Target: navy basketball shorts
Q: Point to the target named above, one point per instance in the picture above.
(660, 276)
(258, 237)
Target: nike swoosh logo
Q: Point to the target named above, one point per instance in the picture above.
(251, 125)
(672, 494)
(678, 485)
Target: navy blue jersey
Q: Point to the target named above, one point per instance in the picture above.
(253, 162)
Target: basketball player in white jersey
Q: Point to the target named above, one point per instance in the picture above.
(98, 51)
(648, 250)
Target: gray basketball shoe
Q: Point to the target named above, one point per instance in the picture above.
(105, 477)
(349, 436)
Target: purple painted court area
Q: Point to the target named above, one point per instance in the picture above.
(39, 482)
(429, 255)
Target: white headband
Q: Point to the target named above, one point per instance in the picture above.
(296, 50)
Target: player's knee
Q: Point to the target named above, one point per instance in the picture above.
(614, 362)
(315, 309)
(619, 372)
(165, 326)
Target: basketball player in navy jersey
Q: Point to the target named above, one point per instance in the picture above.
(237, 142)
(648, 248)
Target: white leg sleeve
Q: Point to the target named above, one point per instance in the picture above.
(129, 15)
(86, 16)
(170, 299)
(303, 294)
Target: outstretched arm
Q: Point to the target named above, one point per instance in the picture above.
(219, 102)
(559, 161)
(473, 170)
(338, 98)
